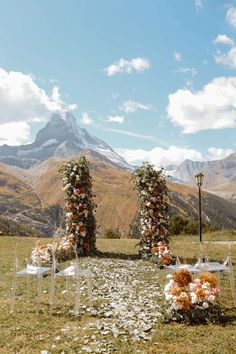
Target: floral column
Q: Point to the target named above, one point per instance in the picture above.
(153, 210)
(80, 207)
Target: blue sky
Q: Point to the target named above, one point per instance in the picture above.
(154, 79)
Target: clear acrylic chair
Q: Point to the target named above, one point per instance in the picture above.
(218, 259)
(29, 272)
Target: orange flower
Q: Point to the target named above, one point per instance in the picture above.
(155, 249)
(182, 277)
(185, 301)
(166, 259)
(200, 293)
(175, 291)
(209, 278)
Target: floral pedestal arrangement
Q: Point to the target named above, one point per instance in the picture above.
(153, 212)
(80, 217)
(192, 301)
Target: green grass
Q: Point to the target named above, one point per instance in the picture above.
(26, 331)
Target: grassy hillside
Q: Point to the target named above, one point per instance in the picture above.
(25, 332)
(115, 197)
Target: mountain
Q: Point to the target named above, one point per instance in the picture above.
(115, 197)
(61, 137)
(21, 208)
(220, 175)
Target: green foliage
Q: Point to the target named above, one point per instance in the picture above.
(180, 225)
(11, 228)
(177, 225)
(113, 233)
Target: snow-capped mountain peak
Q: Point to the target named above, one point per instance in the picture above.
(62, 137)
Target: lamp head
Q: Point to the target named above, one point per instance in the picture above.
(199, 179)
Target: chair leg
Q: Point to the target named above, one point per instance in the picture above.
(77, 296)
(39, 292)
(89, 284)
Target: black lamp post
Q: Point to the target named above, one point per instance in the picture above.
(199, 180)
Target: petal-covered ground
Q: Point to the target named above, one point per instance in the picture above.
(125, 303)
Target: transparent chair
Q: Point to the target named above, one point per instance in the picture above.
(74, 271)
(29, 272)
(218, 258)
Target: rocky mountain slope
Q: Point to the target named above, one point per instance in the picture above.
(61, 137)
(220, 175)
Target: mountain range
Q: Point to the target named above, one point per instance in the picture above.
(30, 183)
(220, 175)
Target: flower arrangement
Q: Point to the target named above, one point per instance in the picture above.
(63, 249)
(153, 212)
(80, 206)
(192, 300)
(80, 218)
(161, 254)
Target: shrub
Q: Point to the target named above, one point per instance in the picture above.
(112, 233)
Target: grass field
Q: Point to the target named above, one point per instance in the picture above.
(137, 283)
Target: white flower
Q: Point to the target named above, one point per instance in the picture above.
(168, 297)
(193, 297)
(211, 298)
(205, 305)
(169, 276)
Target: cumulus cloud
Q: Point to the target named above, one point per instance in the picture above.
(159, 156)
(218, 153)
(22, 100)
(228, 59)
(115, 119)
(223, 39)
(127, 66)
(86, 119)
(231, 16)
(132, 106)
(14, 133)
(213, 107)
(177, 56)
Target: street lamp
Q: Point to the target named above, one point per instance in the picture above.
(199, 180)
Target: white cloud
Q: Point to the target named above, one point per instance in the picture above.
(213, 107)
(14, 133)
(159, 156)
(133, 134)
(223, 39)
(128, 66)
(228, 59)
(115, 119)
(231, 16)
(177, 56)
(218, 153)
(185, 70)
(86, 119)
(132, 106)
(22, 100)
(198, 4)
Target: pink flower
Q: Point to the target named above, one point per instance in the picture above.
(215, 291)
